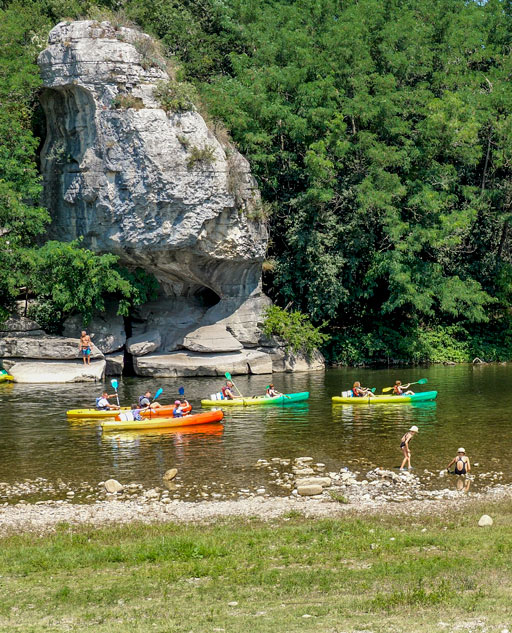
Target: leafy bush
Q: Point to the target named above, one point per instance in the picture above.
(176, 96)
(151, 53)
(294, 328)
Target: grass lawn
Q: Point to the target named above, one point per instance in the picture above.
(378, 574)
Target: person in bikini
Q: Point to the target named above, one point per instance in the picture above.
(461, 461)
(404, 445)
(399, 389)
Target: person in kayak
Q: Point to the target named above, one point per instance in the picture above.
(227, 391)
(399, 389)
(404, 445)
(461, 461)
(146, 403)
(271, 392)
(361, 392)
(103, 404)
(178, 412)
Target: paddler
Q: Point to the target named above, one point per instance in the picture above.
(227, 391)
(145, 402)
(178, 411)
(399, 389)
(271, 392)
(361, 392)
(103, 404)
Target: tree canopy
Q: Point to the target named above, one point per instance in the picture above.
(380, 132)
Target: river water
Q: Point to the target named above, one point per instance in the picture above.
(473, 410)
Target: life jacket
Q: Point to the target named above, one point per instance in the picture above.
(224, 390)
(98, 404)
(141, 398)
(177, 412)
(397, 390)
(355, 394)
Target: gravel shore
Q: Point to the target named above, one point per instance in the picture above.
(45, 516)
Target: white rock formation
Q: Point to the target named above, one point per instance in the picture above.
(51, 371)
(119, 172)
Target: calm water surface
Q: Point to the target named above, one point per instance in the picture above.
(473, 410)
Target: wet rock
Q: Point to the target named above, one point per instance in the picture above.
(309, 491)
(325, 482)
(303, 472)
(303, 460)
(113, 486)
(170, 474)
(485, 520)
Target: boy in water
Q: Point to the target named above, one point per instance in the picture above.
(404, 445)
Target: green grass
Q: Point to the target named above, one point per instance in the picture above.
(376, 574)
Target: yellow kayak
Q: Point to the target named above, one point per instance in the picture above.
(6, 377)
(207, 417)
(94, 413)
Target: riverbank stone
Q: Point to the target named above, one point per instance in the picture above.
(186, 363)
(310, 491)
(113, 486)
(170, 474)
(145, 343)
(50, 371)
(485, 521)
(211, 338)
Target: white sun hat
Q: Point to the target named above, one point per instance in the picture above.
(461, 450)
(414, 428)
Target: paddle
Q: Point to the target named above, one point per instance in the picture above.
(114, 384)
(181, 391)
(158, 393)
(228, 376)
(421, 381)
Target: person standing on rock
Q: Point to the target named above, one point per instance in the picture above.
(84, 347)
(146, 403)
(404, 445)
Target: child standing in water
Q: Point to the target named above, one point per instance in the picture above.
(404, 445)
(461, 461)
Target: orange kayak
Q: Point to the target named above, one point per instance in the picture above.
(163, 423)
(163, 411)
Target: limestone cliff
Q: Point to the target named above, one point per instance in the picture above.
(158, 189)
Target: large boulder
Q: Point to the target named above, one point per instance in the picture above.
(106, 330)
(54, 372)
(20, 326)
(283, 361)
(114, 364)
(47, 347)
(194, 364)
(144, 343)
(156, 188)
(211, 338)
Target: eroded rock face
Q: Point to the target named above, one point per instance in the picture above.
(124, 177)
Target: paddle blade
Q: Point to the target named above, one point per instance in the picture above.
(372, 389)
(114, 383)
(386, 389)
(158, 393)
(422, 381)
(228, 375)
(181, 391)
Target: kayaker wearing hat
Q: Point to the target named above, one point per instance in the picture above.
(461, 461)
(271, 392)
(180, 408)
(404, 445)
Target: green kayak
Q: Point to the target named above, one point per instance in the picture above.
(416, 397)
(243, 402)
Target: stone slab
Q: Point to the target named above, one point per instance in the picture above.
(145, 343)
(115, 364)
(211, 338)
(188, 363)
(19, 324)
(48, 371)
(47, 348)
(290, 362)
(106, 330)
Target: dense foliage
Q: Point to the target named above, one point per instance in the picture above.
(380, 132)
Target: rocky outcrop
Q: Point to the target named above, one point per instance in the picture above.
(158, 189)
(51, 371)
